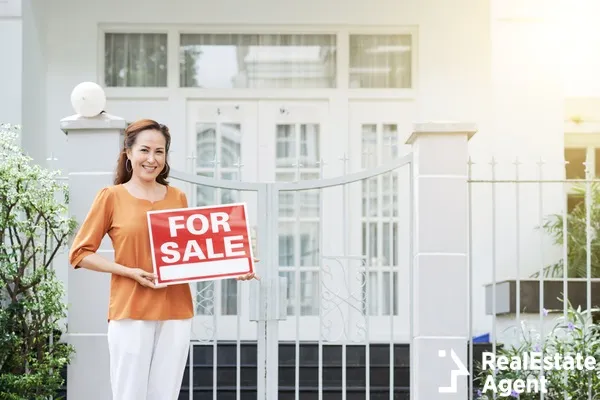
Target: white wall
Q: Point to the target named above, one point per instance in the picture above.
(581, 34)
(34, 81)
(526, 122)
(23, 72)
(11, 44)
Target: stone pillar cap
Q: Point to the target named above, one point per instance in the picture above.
(101, 121)
(443, 128)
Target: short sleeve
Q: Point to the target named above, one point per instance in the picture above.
(93, 229)
(183, 199)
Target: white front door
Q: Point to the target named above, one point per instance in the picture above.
(378, 134)
(268, 141)
(291, 148)
(261, 141)
(222, 143)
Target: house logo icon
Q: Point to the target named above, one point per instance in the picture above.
(454, 374)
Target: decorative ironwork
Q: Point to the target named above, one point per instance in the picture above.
(205, 308)
(346, 300)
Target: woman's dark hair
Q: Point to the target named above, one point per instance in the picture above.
(123, 174)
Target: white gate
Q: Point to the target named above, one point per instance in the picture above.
(333, 291)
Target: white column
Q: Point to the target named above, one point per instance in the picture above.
(440, 282)
(93, 147)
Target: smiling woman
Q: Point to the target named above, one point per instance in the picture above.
(149, 327)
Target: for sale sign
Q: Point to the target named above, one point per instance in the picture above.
(200, 243)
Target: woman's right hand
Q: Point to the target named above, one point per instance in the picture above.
(144, 278)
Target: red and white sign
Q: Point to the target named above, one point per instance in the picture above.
(200, 243)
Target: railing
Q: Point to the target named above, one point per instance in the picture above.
(530, 243)
(514, 266)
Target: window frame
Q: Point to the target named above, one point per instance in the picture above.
(247, 35)
(103, 58)
(584, 136)
(412, 67)
(173, 88)
(125, 29)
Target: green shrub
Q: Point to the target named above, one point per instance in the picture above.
(577, 238)
(34, 227)
(573, 334)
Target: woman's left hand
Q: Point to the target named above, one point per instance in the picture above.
(249, 276)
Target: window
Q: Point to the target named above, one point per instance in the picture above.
(380, 61)
(581, 150)
(297, 158)
(135, 59)
(575, 169)
(257, 61)
(380, 221)
(218, 148)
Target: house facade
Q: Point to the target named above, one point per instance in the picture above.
(286, 91)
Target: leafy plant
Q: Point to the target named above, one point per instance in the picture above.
(33, 228)
(576, 236)
(572, 335)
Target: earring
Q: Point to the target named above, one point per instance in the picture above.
(128, 164)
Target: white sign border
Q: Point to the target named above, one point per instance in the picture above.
(212, 278)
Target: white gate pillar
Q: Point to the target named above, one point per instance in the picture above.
(93, 146)
(440, 281)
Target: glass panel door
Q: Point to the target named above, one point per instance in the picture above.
(378, 133)
(222, 144)
(291, 143)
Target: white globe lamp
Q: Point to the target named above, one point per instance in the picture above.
(88, 99)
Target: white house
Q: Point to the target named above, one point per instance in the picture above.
(284, 91)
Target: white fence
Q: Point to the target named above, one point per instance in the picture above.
(534, 242)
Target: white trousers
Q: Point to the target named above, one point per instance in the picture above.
(147, 358)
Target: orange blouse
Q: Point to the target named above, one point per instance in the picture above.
(122, 216)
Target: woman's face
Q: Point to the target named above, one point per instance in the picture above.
(148, 155)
